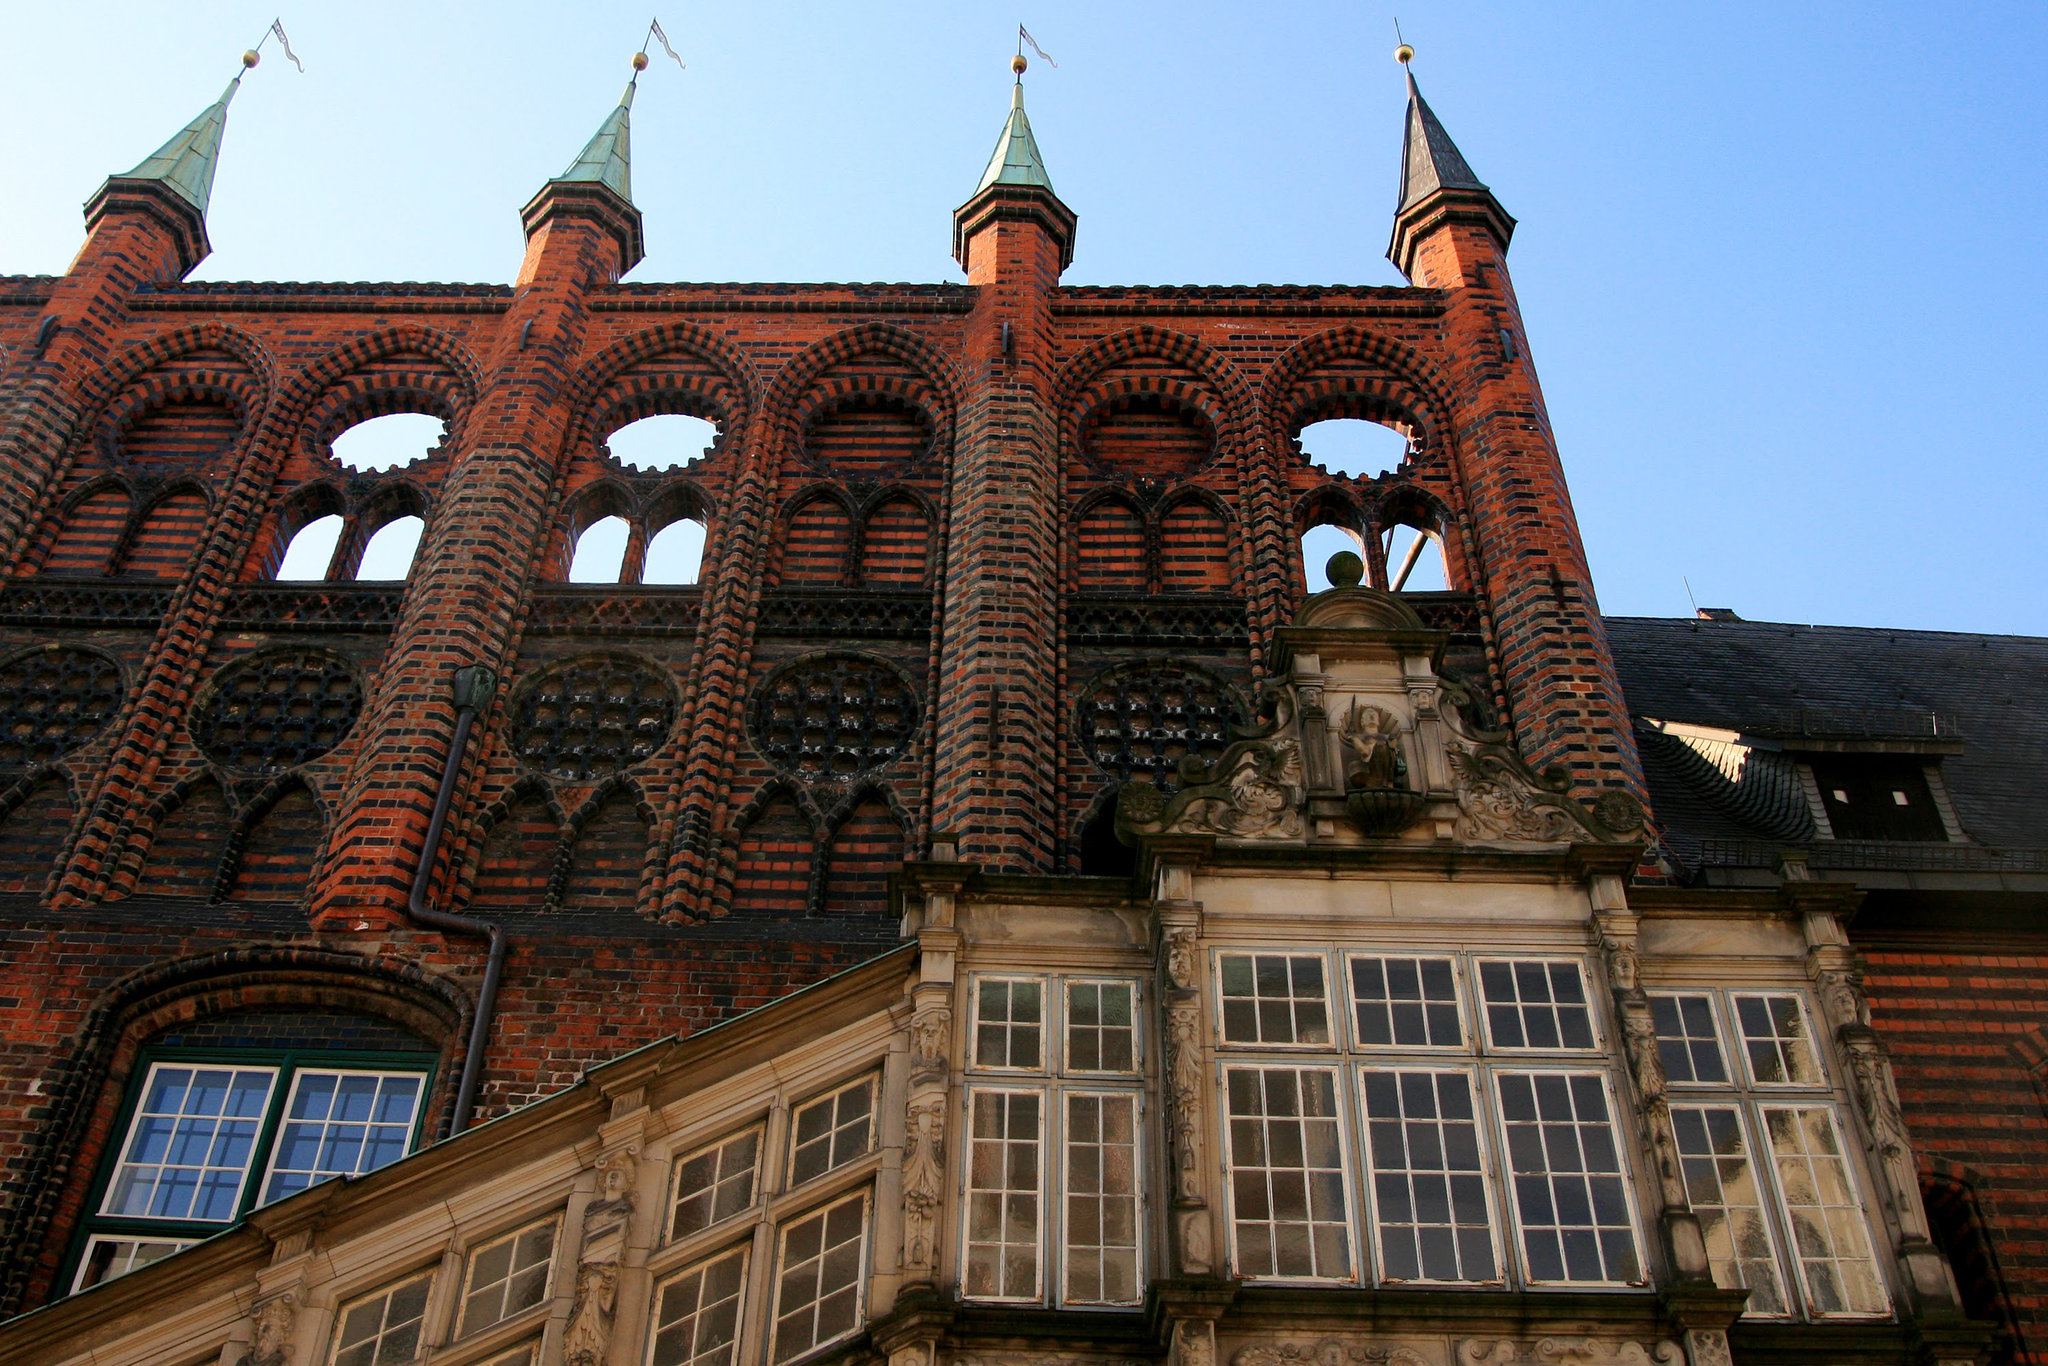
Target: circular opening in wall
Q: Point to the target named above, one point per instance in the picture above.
(278, 710)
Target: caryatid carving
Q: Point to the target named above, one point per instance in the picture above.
(924, 1176)
(275, 1319)
(590, 1323)
(931, 1037)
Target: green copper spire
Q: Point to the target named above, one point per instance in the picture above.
(607, 160)
(185, 163)
(1016, 160)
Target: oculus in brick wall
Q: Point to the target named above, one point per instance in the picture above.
(278, 710)
(834, 716)
(585, 718)
(53, 699)
(1143, 718)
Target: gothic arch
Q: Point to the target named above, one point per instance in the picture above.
(1231, 405)
(140, 514)
(98, 393)
(250, 815)
(86, 1094)
(30, 862)
(1412, 389)
(738, 395)
(796, 393)
(156, 389)
(329, 396)
(533, 789)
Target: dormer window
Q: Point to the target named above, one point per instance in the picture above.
(1877, 797)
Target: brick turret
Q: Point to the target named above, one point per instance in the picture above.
(582, 233)
(997, 726)
(1564, 700)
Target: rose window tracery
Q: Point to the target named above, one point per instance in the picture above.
(834, 716)
(278, 710)
(586, 718)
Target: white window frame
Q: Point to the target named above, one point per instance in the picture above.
(822, 1209)
(744, 1250)
(1332, 1026)
(1045, 1023)
(468, 1286)
(1061, 1240)
(1489, 1167)
(1346, 1166)
(830, 1094)
(1565, 1053)
(384, 1292)
(121, 1156)
(1750, 1098)
(176, 1246)
(1044, 1096)
(1065, 1063)
(1053, 1082)
(285, 1121)
(1806, 1023)
(675, 1178)
(1463, 989)
(1569, 1068)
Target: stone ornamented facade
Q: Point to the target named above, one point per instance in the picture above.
(987, 913)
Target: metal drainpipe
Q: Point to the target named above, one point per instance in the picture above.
(474, 685)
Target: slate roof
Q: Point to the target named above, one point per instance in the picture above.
(1777, 680)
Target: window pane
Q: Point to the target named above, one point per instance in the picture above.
(1428, 1181)
(1721, 1183)
(1287, 1181)
(507, 1276)
(1101, 1027)
(383, 1330)
(1003, 1174)
(1407, 1002)
(1571, 1197)
(818, 1279)
(833, 1131)
(1102, 1199)
(1009, 1022)
(1536, 1004)
(1274, 998)
(341, 1124)
(715, 1183)
(1777, 1042)
(1688, 1041)
(1830, 1233)
(697, 1316)
(106, 1258)
(190, 1143)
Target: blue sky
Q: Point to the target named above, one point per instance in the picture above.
(1781, 264)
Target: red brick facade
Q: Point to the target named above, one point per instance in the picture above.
(954, 532)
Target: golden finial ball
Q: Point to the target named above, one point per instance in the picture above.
(1017, 64)
(250, 58)
(1404, 54)
(639, 61)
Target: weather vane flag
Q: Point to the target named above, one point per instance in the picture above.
(276, 30)
(1024, 38)
(654, 32)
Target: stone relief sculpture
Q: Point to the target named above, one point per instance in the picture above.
(924, 1175)
(931, 1033)
(590, 1322)
(275, 1320)
(1502, 800)
(1569, 1352)
(1327, 1352)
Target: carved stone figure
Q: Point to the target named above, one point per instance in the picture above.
(931, 1035)
(1194, 1343)
(924, 1174)
(590, 1322)
(1181, 959)
(1570, 1352)
(275, 1319)
(1707, 1347)
(1184, 1097)
(1372, 750)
